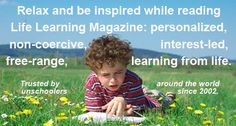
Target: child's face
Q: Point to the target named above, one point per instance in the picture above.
(112, 77)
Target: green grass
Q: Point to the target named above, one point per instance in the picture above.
(72, 79)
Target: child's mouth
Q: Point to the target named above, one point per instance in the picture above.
(113, 87)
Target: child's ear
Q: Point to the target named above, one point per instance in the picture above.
(95, 74)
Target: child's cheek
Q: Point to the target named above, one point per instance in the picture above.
(105, 82)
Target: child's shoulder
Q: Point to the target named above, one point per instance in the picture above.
(92, 82)
(130, 75)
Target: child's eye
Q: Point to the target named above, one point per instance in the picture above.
(105, 75)
(120, 72)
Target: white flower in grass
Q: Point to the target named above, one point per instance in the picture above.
(4, 115)
(5, 98)
(5, 123)
(71, 104)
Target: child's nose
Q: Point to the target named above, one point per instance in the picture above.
(113, 78)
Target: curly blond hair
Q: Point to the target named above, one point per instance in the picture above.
(107, 49)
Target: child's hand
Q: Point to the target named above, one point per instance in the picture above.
(115, 106)
(129, 109)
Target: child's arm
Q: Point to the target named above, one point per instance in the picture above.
(94, 99)
(93, 102)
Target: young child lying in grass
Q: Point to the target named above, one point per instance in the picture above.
(111, 87)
